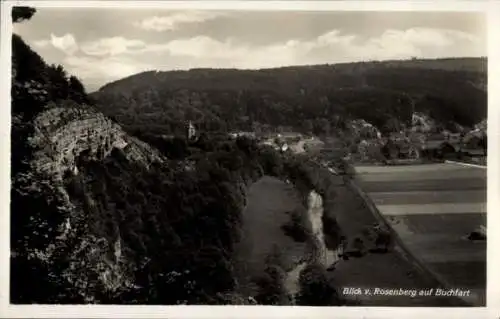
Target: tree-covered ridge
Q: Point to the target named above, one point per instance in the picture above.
(320, 98)
(35, 84)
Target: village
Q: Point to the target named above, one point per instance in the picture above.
(364, 143)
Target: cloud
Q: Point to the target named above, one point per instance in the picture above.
(41, 43)
(103, 69)
(111, 46)
(174, 20)
(330, 47)
(199, 47)
(65, 43)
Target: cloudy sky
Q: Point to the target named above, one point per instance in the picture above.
(103, 45)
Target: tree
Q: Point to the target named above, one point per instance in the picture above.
(245, 144)
(177, 148)
(271, 285)
(359, 246)
(321, 126)
(59, 89)
(483, 143)
(19, 14)
(275, 257)
(315, 290)
(392, 125)
(295, 228)
(308, 126)
(383, 239)
(77, 90)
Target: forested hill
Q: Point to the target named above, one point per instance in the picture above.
(317, 98)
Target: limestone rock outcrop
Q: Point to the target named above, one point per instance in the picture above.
(63, 134)
(62, 140)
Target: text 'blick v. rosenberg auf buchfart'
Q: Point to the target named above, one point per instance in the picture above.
(435, 292)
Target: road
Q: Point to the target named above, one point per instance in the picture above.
(433, 208)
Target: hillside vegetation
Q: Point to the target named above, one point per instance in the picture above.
(98, 216)
(318, 99)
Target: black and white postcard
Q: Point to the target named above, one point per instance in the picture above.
(182, 156)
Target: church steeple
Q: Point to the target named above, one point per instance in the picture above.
(191, 131)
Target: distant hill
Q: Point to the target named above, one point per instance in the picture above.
(318, 98)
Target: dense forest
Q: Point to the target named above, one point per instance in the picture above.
(317, 99)
(126, 232)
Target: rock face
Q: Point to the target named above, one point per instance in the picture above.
(315, 214)
(62, 137)
(63, 134)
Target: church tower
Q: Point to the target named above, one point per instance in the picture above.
(190, 131)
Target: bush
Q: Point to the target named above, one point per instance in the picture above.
(383, 239)
(271, 285)
(295, 228)
(332, 231)
(315, 290)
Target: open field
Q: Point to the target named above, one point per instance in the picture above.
(268, 202)
(435, 185)
(433, 208)
(390, 270)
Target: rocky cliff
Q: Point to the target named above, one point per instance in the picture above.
(63, 142)
(62, 135)
(57, 142)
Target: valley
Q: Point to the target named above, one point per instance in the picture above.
(294, 185)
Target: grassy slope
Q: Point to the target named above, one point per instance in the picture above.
(268, 202)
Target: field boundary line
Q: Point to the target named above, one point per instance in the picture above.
(407, 253)
(466, 164)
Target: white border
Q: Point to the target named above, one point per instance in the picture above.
(259, 5)
(493, 191)
(492, 7)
